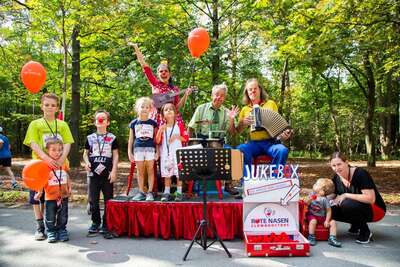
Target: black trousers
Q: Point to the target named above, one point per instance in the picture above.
(99, 184)
(354, 212)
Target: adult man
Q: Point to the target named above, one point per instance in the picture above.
(214, 120)
(259, 141)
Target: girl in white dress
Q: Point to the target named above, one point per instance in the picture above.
(171, 135)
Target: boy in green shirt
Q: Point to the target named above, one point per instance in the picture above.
(39, 132)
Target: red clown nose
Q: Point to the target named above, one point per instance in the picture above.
(100, 120)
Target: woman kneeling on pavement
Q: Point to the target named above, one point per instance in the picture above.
(357, 199)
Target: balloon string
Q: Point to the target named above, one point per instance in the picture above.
(193, 67)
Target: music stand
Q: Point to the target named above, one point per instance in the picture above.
(204, 164)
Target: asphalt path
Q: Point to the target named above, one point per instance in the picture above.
(18, 247)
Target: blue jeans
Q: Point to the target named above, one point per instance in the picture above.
(56, 218)
(269, 147)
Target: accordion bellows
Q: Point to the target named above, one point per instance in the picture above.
(269, 120)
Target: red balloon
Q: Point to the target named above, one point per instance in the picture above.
(33, 76)
(36, 174)
(198, 42)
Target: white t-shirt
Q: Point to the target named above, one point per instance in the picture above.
(168, 152)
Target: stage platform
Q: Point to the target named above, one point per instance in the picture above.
(175, 219)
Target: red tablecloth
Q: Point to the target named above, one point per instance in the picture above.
(177, 220)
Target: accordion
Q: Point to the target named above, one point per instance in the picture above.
(268, 120)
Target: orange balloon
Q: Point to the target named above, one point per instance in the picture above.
(198, 42)
(33, 76)
(36, 174)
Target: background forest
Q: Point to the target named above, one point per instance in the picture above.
(333, 66)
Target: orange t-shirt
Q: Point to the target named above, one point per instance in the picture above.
(52, 188)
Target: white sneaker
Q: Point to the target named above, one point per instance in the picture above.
(149, 196)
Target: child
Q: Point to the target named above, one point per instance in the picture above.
(170, 136)
(319, 211)
(141, 146)
(57, 190)
(101, 160)
(5, 158)
(39, 132)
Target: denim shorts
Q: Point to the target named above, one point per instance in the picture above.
(144, 153)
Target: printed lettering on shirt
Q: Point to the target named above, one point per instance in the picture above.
(53, 179)
(105, 150)
(144, 131)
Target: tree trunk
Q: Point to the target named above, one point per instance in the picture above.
(215, 67)
(284, 79)
(338, 141)
(385, 124)
(369, 121)
(75, 91)
(65, 63)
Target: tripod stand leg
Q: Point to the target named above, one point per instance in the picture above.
(198, 231)
(216, 236)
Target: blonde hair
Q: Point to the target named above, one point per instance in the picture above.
(246, 98)
(326, 185)
(53, 141)
(50, 96)
(141, 100)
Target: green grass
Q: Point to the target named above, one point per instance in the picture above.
(10, 196)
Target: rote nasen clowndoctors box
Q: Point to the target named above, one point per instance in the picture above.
(271, 212)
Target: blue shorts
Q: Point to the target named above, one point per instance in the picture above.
(32, 201)
(5, 162)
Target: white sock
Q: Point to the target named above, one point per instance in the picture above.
(179, 189)
(167, 190)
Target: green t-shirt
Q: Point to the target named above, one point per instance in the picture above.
(219, 120)
(39, 131)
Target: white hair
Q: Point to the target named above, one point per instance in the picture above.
(218, 87)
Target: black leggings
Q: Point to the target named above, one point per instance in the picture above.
(97, 184)
(352, 211)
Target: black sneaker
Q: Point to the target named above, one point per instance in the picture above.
(232, 191)
(93, 229)
(353, 230)
(312, 240)
(364, 237)
(103, 229)
(334, 242)
(108, 235)
(39, 235)
(166, 197)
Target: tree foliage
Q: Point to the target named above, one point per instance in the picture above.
(332, 65)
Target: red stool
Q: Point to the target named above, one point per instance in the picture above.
(262, 159)
(132, 171)
(321, 233)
